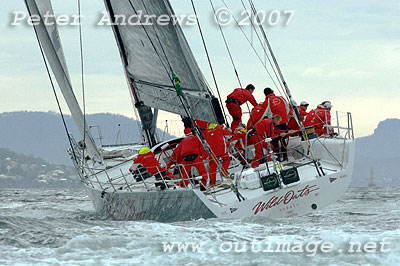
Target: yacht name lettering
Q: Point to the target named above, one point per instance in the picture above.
(285, 199)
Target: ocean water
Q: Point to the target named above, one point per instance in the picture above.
(60, 227)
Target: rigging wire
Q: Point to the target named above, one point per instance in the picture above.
(254, 49)
(294, 109)
(278, 71)
(208, 57)
(53, 88)
(228, 49)
(265, 52)
(82, 81)
(236, 72)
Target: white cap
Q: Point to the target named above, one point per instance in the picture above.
(328, 104)
(304, 103)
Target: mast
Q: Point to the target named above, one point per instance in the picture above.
(50, 43)
(372, 178)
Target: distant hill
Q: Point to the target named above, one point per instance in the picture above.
(379, 153)
(22, 171)
(42, 134)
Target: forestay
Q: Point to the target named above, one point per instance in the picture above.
(49, 39)
(151, 53)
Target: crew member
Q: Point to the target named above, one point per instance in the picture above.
(148, 160)
(277, 105)
(238, 143)
(237, 98)
(303, 108)
(293, 125)
(320, 118)
(257, 114)
(203, 125)
(265, 128)
(215, 139)
(190, 153)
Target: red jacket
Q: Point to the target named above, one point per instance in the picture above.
(256, 115)
(266, 128)
(243, 95)
(150, 162)
(292, 125)
(318, 118)
(239, 139)
(215, 138)
(303, 113)
(277, 105)
(189, 145)
(202, 124)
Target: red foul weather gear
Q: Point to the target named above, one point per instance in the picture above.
(188, 125)
(226, 161)
(242, 96)
(292, 125)
(234, 100)
(262, 130)
(319, 118)
(150, 162)
(256, 115)
(190, 153)
(216, 141)
(277, 105)
(238, 142)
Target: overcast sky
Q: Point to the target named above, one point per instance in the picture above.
(344, 51)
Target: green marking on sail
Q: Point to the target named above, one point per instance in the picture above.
(177, 84)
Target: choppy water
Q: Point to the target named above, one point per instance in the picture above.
(55, 227)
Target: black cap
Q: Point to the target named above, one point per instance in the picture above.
(250, 87)
(268, 91)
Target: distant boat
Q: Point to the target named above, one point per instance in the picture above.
(372, 179)
(317, 174)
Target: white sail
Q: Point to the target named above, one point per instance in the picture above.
(50, 43)
(151, 53)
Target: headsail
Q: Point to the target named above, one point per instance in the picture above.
(152, 53)
(50, 43)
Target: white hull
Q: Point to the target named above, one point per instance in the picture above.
(181, 205)
(311, 194)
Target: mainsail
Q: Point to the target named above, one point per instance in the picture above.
(152, 53)
(49, 39)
